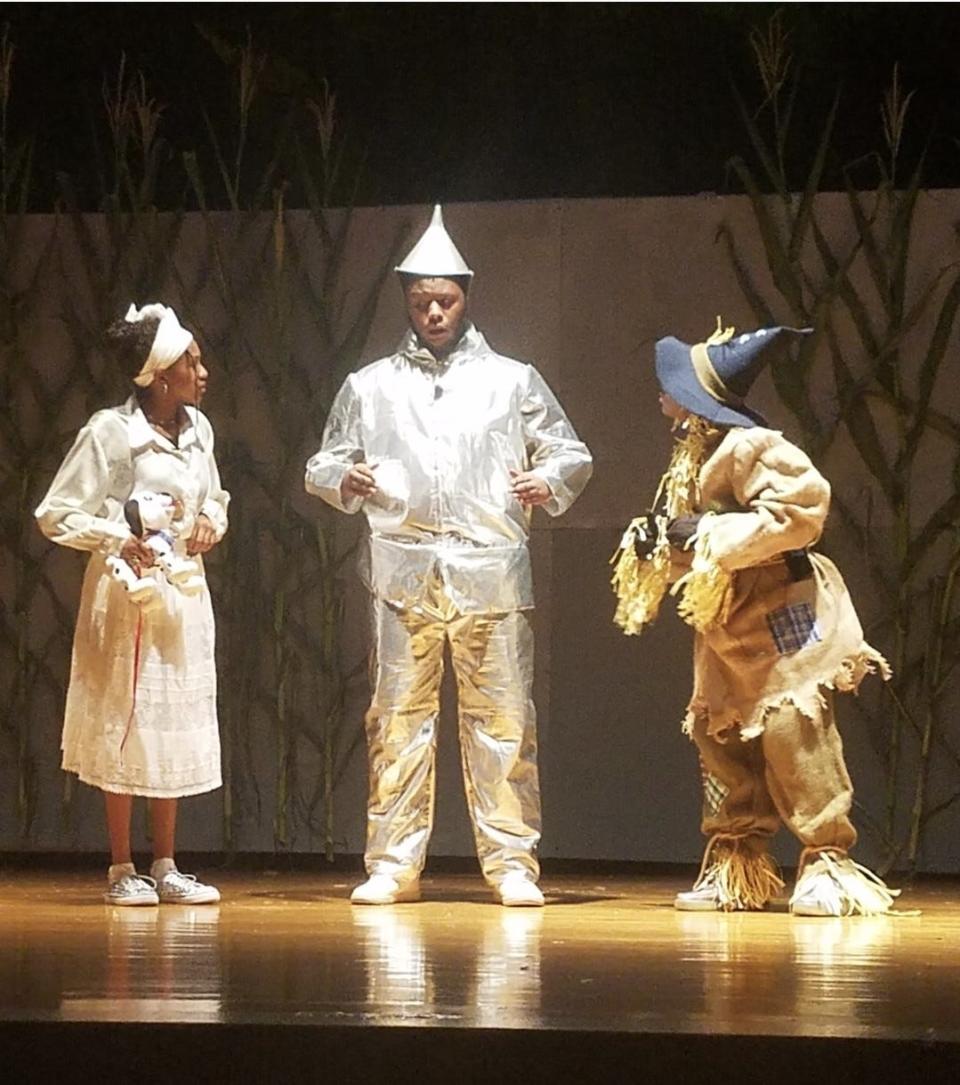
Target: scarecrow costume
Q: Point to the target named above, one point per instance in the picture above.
(776, 633)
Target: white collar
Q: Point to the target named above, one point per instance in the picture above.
(142, 434)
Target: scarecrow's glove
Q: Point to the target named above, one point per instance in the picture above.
(645, 535)
(681, 530)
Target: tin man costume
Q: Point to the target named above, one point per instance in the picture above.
(733, 520)
(444, 434)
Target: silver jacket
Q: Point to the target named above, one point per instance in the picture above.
(458, 425)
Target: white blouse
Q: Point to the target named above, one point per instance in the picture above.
(118, 453)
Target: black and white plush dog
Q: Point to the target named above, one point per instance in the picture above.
(150, 516)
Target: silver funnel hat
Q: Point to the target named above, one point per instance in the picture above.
(435, 256)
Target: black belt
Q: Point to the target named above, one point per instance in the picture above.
(798, 563)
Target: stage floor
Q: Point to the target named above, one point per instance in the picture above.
(607, 955)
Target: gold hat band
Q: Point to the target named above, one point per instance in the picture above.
(709, 378)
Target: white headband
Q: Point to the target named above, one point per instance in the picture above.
(169, 344)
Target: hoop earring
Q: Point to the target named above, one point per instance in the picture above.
(164, 387)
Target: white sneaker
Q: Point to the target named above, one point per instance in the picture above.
(702, 898)
(519, 891)
(132, 889)
(382, 889)
(832, 884)
(820, 901)
(734, 877)
(177, 888)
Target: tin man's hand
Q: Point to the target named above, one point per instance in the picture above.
(358, 482)
(529, 489)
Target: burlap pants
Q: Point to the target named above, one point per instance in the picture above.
(792, 773)
(492, 658)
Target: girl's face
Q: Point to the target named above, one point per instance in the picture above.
(186, 379)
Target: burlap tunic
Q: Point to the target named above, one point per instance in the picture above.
(785, 642)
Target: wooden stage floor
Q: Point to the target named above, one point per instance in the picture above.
(607, 980)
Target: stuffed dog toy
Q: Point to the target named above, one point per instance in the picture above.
(150, 516)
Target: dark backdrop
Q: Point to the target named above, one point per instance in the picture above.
(488, 101)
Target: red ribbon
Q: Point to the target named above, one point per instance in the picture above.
(138, 637)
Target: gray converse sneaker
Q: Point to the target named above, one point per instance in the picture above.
(832, 884)
(177, 888)
(704, 897)
(132, 889)
(737, 875)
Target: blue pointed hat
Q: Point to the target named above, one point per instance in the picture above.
(711, 379)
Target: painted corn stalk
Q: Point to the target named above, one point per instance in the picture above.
(884, 330)
(266, 291)
(25, 669)
(288, 328)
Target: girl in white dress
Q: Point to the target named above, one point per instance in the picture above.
(141, 714)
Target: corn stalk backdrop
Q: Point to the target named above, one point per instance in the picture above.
(281, 322)
(881, 345)
(282, 301)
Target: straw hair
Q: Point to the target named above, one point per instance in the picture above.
(641, 583)
(706, 591)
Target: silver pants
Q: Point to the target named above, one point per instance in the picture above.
(492, 656)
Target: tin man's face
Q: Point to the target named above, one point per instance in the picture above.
(436, 308)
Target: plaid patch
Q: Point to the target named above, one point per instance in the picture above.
(714, 792)
(793, 627)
